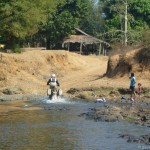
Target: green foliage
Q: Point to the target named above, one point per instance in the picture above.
(138, 19)
(16, 48)
(138, 13)
(21, 18)
(17, 17)
(39, 20)
(93, 22)
(48, 21)
(140, 9)
(62, 21)
(146, 38)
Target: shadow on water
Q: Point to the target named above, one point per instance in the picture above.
(57, 126)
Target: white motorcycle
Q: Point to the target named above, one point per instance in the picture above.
(54, 93)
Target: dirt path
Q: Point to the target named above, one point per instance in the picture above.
(88, 75)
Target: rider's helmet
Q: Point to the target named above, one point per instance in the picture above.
(53, 75)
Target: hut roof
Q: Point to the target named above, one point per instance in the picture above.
(83, 38)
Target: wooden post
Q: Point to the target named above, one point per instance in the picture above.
(100, 47)
(126, 24)
(28, 45)
(103, 50)
(80, 47)
(68, 46)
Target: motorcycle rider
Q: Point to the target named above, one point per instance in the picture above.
(53, 82)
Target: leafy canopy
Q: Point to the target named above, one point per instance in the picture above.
(21, 18)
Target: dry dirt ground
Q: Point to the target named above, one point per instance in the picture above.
(29, 71)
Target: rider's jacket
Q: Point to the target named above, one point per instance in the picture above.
(53, 82)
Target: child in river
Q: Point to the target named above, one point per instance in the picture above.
(140, 89)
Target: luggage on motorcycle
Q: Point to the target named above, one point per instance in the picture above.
(59, 92)
(49, 91)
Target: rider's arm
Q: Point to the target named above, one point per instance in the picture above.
(48, 82)
(57, 83)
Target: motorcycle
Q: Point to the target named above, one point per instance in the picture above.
(54, 93)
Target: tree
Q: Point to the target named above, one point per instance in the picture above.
(20, 19)
(116, 20)
(93, 22)
(140, 9)
(62, 21)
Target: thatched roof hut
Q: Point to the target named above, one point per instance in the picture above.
(84, 39)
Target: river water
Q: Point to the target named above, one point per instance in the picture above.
(59, 126)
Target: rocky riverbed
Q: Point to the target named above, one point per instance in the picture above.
(115, 108)
(13, 94)
(137, 113)
(112, 113)
(143, 139)
(109, 93)
(111, 110)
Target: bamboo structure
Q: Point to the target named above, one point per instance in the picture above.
(84, 39)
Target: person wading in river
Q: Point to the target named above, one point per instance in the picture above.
(132, 87)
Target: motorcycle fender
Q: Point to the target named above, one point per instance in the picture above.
(59, 92)
(49, 92)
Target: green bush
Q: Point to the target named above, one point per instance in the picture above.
(17, 49)
(146, 38)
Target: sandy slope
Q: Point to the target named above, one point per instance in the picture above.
(31, 70)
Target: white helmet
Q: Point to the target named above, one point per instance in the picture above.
(53, 75)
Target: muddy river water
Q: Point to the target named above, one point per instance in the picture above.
(59, 126)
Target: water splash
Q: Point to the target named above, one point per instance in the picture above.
(57, 100)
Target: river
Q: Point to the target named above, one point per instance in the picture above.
(59, 126)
